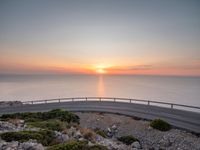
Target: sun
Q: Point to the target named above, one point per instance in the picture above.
(101, 68)
(100, 71)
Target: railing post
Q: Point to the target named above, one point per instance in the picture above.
(31, 102)
(59, 100)
(114, 100)
(148, 102)
(100, 99)
(172, 106)
(86, 98)
(45, 101)
(72, 99)
(130, 100)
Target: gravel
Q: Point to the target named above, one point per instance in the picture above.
(149, 138)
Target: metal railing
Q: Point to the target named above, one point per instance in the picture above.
(115, 99)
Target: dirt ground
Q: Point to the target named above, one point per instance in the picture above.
(149, 137)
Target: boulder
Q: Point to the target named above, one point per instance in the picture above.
(7, 127)
(9, 145)
(136, 144)
(31, 145)
(110, 143)
(61, 137)
(111, 132)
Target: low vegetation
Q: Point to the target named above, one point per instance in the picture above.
(160, 125)
(58, 114)
(88, 134)
(43, 136)
(55, 125)
(48, 122)
(101, 132)
(76, 145)
(129, 139)
(97, 147)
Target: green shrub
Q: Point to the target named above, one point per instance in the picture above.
(41, 116)
(55, 125)
(76, 145)
(43, 136)
(72, 145)
(160, 125)
(101, 132)
(129, 139)
(97, 147)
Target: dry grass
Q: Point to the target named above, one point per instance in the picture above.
(88, 134)
(16, 122)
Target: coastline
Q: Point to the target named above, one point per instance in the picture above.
(113, 126)
(181, 119)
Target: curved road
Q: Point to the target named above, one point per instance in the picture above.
(178, 118)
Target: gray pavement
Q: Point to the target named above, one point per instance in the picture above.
(178, 118)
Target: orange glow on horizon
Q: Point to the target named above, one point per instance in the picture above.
(67, 68)
(101, 71)
(101, 68)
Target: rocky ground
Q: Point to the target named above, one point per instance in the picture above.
(10, 103)
(73, 133)
(114, 126)
(149, 138)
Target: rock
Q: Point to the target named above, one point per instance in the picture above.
(110, 143)
(21, 122)
(114, 127)
(7, 127)
(64, 137)
(149, 137)
(78, 134)
(14, 144)
(61, 137)
(82, 139)
(134, 149)
(37, 147)
(90, 144)
(31, 145)
(110, 134)
(136, 144)
(164, 143)
(71, 132)
(9, 146)
(109, 130)
(2, 143)
(10, 104)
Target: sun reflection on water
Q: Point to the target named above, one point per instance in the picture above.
(101, 88)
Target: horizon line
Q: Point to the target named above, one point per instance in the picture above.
(89, 74)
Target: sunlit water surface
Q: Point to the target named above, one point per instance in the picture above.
(182, 90)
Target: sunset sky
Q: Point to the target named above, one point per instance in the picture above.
(106, 36)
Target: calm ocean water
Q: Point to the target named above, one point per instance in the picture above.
(183, 90)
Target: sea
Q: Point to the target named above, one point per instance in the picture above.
(171, 89)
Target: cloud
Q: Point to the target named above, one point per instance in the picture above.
(130, 68)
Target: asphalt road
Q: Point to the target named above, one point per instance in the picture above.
(178, 118)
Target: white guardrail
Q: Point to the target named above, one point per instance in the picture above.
(115, 99)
